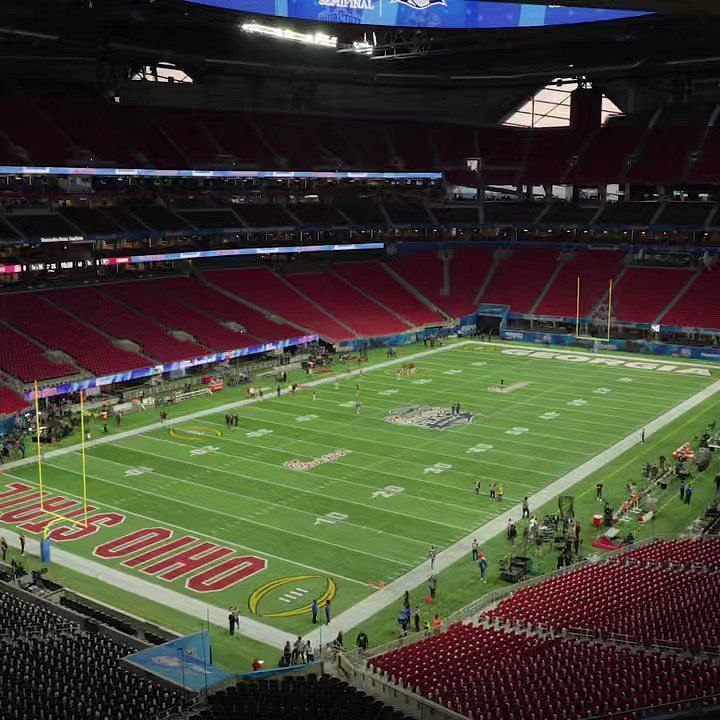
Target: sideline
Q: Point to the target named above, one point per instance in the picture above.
(371, 605)
(113, 437)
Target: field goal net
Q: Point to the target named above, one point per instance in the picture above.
(597, 325)
(78, 517)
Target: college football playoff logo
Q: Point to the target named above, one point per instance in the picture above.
(421, 4)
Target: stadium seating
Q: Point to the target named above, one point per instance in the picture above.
(24, 359)
(594, 268)
(468, 270)
(519, 279)
(36, 316)
(643, 293)
(266, 290)
(151, 299)
(372, 279)
(295, 698)
(54, 670)
(698, 305)
(113, 317)
(603, 159)
(483, 672)
(691, 553)
(74, 129)
(11, 401)
(225, 309)
(350, 307)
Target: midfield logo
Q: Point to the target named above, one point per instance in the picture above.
(421, 4)
(432, 418)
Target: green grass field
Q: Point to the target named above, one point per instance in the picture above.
(369, 516)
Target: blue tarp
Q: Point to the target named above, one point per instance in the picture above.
(186, 662)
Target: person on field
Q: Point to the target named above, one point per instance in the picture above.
(482, 566)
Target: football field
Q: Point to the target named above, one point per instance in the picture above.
(312, 496)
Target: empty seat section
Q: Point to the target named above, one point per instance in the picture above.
(665, 154)
(264, 215)
(264, 289)
(371, 278)
(482, 672)
(519, 279)
(11, 401)
(707, 168)
(235, 135)
(154, 302)
(503, 152)
(211, 219)
(36, 316)
(595, 268)
(90, 130)
(151, 143)
(424, 271)
(412, 145)
(346, 304)
(24, 359)
(188, 134)
(643, 293)
(454, 144)
(684, 214)
(603, 159)
(226, 309)
(317, 215)
(698, 306)
(119, 321)
(294, 139)
(91, 221)
(26, 125)
(549, 154)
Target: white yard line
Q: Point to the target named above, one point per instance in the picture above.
(365, 609)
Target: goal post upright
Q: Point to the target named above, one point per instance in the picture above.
(59, 517)
(609, 313)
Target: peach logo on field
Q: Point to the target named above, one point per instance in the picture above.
(302, 465)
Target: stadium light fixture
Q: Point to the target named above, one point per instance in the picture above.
(316, 39)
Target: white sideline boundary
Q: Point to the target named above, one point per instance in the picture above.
(368, 607)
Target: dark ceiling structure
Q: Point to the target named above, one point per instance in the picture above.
(639, 62)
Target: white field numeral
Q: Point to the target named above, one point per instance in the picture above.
(437, 468)
(204, 450)
(549, 416)
(136, 471)
(422, 381)
(388, 392)
(602, 391)
(258, 433)
(453, 372)
(388, 491)
(577, 403)
(332, 518)
(479, 448)
(306, 418)
(517, 431)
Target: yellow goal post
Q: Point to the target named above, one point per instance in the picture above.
(58, 518)
(606, 337)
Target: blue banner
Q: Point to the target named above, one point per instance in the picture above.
(228, 174)
(186, 662)
(643, 347)
(171, 367)
(425, 13)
